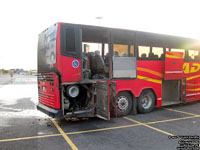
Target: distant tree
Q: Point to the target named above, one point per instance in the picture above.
(4, 71)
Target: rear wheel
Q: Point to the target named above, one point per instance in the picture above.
(124, 104)
(146, 101)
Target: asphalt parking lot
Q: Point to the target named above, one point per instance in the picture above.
(22, 127)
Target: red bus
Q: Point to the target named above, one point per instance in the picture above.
(87, 71)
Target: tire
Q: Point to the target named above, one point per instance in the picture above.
(146, 102)
(124, 104)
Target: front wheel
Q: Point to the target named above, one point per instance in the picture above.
(146, 102)
(124, 104)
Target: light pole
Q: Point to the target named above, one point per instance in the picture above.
(99, 18)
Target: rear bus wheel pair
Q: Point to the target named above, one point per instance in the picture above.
(145, 103)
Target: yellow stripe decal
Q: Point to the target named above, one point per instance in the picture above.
(193, 77)
(192, 84)
(173, 56)
(149, 79)
(150, 71)
(197, 89)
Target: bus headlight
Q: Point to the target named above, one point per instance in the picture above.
(73, 91)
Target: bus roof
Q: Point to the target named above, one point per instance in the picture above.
(145, 38)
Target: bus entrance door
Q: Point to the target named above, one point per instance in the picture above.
(104, 99)
(173, 66)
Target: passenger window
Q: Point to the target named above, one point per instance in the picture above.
(120, 50)
(193, 55)
(70, 40)
(106, 50)
(158, 52)
(131, 54)
(92, 47)
(143, 52)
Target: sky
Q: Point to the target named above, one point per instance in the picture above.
(21, 21)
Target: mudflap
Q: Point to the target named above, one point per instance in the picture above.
(134, 108)
(184, 90)
(105, 99)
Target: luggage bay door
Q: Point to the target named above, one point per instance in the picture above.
(173, 66)
(104, 99)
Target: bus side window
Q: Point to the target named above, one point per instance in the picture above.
(158, 52)
(193, 55)
(143, 52)
(131, 52)
(70, 40)
(120, 50)
(197, 57)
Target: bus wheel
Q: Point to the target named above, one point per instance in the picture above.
(146, 102)
(124, 104)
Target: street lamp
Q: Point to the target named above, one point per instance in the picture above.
(99, 18)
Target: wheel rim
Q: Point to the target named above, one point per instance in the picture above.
(146, 101)
(122, 103)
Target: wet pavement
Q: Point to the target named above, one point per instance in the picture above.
(22, 127)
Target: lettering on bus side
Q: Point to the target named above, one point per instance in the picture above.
(187, 68)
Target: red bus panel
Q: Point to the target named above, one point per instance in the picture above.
(173, 66)
(48, 90)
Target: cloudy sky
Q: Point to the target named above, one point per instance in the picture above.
(21, 21)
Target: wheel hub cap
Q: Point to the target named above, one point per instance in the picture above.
(146, 101)
(122, 103)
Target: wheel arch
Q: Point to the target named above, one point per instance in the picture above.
(128, 91)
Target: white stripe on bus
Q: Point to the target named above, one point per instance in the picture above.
(192, 94)
(174, 72)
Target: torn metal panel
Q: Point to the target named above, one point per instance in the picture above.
(102, 100)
